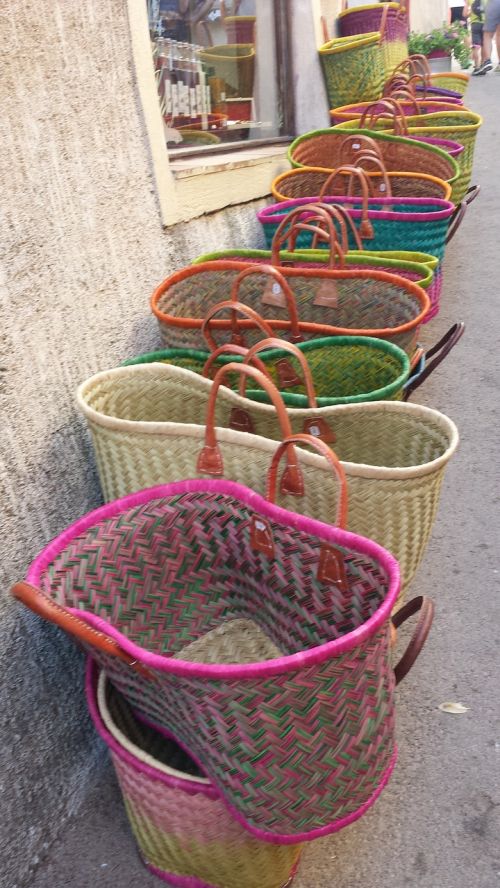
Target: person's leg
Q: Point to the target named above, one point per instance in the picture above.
(491, 25)
(477, 44)
(497, 40)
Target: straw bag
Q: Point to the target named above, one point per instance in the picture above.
(422, 106)
(240, 28)
(184, 832)
(393, 27)
(297, 303)
(459, 125)
(140, 579)
(310, 181)
(422, 271)
(330, 148)
(232, 63)
(416, 69)
(353, 68)
(145, 426)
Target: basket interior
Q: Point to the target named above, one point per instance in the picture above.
(170, 570)
(359, 303)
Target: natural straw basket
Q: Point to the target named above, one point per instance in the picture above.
(184, 832)
(138, 580)
(148, 425)
(309, 181)
(353, 68)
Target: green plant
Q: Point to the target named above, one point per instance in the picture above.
(452, 39)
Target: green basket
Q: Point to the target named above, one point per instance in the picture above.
(344, 369)
(353, 68)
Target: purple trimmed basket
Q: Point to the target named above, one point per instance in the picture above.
(184, 832)
(299, 744)
(454, 149)
(369, 18)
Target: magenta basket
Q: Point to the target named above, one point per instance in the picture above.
(454, 149)
(299, 744)
(369, 18)
(184, 832)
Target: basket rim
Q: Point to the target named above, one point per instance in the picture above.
(444, 208)
(392, 6)
(345, 111)
(374, 134)
(96, 685)
(413, 121)
(422, 268)
(372, 174)
(283, 665)
(371, 38)
(307, 326)
(245, 439)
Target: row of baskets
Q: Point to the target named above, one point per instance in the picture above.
(241, 638)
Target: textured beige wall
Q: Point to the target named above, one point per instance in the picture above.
(81, 248)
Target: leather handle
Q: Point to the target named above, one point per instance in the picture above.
(459, 212)
(210, 460)
(438, 352)
(346, 224)
(357, 143)
(425, 606)
(373, 159)
(40, 603)
(285, 287)
(231, 349)
(296, 352)
(236, 307)
(352, 171)
(326, 451)
(303, 218)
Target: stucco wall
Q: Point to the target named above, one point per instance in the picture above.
(82, 248)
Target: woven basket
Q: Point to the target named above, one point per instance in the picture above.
(309, 181)
(232, 63)
(366, 303)
(353, 69)
(459, 125)
(140, 579)
(183, 830)
(145, 425)
(423, 106)
(240, 28)
(419, 224)
(393, 26)
(330, 148)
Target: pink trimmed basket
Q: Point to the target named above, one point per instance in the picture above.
(184, 832)
(299, 744)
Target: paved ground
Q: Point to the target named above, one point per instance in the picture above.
(438, 823)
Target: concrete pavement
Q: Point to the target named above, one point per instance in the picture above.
(437, 825)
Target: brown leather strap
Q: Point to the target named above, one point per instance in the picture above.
(231, 349)
(324, 450)
(341, 214)
(293, 222)
(439, 351)
(40, 603)
(285, 287)
(357, 142)
(235, 307)
(426, 607)
(353, 171)
(296, 352)
(457, 217)
(210, 459)
(363, 158)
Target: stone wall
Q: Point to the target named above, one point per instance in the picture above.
(82, 248)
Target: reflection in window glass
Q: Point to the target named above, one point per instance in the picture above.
(216, 70)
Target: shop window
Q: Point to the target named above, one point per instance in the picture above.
(222, 72)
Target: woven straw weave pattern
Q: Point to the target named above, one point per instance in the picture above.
(460, 126)
(356, 73)
(189, 834)
(450, 81)
(425, 234)
(323, 148)
(318, 735)
(366, 303)
(310, 182)
(395, 509)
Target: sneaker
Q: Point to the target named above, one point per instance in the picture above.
(484, 68)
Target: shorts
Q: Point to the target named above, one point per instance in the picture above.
(457, 15)
(492, 16)
(477, 33)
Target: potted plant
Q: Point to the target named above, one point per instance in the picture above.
(441, 45)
